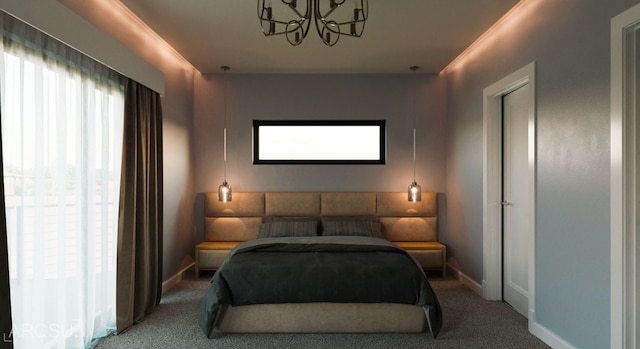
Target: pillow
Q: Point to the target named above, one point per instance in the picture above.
(352, 228)
(288, 228)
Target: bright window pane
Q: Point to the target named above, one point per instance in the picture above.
(321, 142)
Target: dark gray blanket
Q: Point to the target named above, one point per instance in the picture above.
(336, 269)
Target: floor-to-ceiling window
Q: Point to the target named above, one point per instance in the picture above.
(62, 116)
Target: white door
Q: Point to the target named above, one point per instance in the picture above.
(515, 281)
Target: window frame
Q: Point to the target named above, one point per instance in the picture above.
(381, 124)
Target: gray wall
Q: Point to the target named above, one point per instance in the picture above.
(569, 40)
(277, 97)
(177, 129)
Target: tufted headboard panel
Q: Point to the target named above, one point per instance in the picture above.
(348, 204)
(408, 221)
(240, 219)
(292, 204)
(237, 220)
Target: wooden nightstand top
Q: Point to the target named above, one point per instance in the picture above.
(217, 245)
(420, 245)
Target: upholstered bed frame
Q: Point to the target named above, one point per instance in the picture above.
(412, 226)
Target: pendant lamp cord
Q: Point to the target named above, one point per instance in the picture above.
(414, 154)
(414, 69)
(224, 135)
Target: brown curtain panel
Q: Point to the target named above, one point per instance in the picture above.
(139, 274)
(5, 295)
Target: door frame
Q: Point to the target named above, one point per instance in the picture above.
(625, 29)
(492, 183)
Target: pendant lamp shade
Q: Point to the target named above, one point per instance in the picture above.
(415, 192)
(224, 192)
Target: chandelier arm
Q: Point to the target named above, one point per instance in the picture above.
(348, 33)
(258, 10)
(329, 12)
(307, 19)
(364, 9)
(279, 33)
(289, 5)
(295, 10)
(307, 15)
(305, 30)
(345, 32)
(349, 22)
(328, 25)
(291, 27)
(331, 24)
(274, 21)
(317, 19)
(285, 31)
(297, 35)
(327, 40)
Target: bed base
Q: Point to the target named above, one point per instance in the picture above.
(322, 318)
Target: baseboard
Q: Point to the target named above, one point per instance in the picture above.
(174, 280)
(467, 281)
(545, 335)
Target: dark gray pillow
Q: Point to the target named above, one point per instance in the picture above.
(351, 228)
(288, 228)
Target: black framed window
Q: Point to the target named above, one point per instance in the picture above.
(319, 141)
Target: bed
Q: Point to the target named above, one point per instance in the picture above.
(316, 266)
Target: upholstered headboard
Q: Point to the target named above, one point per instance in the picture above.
(401, 220)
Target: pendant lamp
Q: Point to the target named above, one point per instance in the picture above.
(224, 190)
(415, 191)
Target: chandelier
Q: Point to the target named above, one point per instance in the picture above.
(331, 22)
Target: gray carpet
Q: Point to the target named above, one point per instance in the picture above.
(469, 322)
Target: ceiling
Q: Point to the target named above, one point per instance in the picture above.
(398, 34)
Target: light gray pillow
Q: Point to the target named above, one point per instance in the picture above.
(288, 228)
(351, 228)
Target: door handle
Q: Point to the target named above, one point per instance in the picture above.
(506, 203)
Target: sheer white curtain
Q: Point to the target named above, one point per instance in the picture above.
(62, 146)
